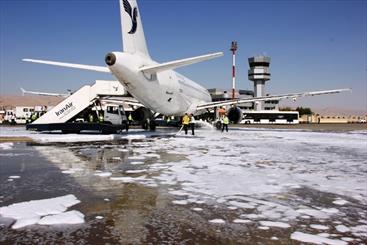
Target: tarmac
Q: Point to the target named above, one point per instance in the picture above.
(256, 184)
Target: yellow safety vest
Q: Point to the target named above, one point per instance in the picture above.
(186, 120)
(225, 120)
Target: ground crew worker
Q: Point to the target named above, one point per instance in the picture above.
(185, 122)
(192, 124)
(225, 122)
(130, 119)
(101, 119)
(90, 117)
(33, 117)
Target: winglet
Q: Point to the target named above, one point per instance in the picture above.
(23, 91)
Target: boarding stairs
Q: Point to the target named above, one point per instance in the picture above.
(80, 100)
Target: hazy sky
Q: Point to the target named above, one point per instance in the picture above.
(314, 45)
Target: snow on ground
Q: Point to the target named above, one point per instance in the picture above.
(6, 146)
(315, 239)
(45, 212)
(45, 137)
(258, 172)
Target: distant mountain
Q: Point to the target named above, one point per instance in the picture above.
(11, 101)
(339, 111)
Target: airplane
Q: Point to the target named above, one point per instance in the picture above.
(156, 85)
(44, 93)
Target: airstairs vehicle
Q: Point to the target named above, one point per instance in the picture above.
(86, 110)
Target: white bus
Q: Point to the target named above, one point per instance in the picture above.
(270, 117)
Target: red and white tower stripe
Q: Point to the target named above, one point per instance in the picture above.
(233, 49)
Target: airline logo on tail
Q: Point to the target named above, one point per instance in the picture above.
(133, 15)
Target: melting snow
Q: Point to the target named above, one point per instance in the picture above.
(29, 213)
(103, 174)
(319, 227)
(6, 146)
(217, 221)
(275, 224)
(315, 239)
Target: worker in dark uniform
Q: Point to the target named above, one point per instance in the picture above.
(192, 124)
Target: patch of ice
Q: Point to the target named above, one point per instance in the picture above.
(274, 238)
(116, 158)
(347, 239)
(124, 179)
(232, 207)
(99, 217)
(304, 237)
(14, 177)
(319, 227)
(314, 213)
(241, 205)
(70, 171)
(6, 145)
(179, 193)
(342, 228)
(137, 157)
(197, 209)
(330, 210)
(217, 221)
(275, 224)
(263, 227)
(340, 202)
(103, 174)
(242, 221)
(70, 217)
(136, 171)
(180, 202)
(137, 163)
(28, 213)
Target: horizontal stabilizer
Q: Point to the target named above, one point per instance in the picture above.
(179, 63)
(77, 66)
(267, 98)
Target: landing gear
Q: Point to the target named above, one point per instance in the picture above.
(218, 125)
(149, 124)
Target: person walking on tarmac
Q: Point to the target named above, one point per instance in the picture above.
(225, 122)
(192, 124)
(185, 122)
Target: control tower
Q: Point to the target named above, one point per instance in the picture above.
(259, 73)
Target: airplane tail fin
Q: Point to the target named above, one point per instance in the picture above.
(132, 28)
(23, 91)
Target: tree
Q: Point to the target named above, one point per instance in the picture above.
(304, 111)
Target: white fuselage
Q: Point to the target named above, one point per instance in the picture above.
(166, 92)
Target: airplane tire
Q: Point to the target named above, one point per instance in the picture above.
(218, 125)
(152, 125)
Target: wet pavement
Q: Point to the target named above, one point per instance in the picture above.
(250, 186)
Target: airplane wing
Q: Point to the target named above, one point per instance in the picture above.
(267, 98)
(179, 63)
(42, 93)
(71, 65)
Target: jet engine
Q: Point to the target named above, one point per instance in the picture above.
(141, 114)
(235, 114)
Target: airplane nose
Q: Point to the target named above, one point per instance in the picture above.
(110, 59)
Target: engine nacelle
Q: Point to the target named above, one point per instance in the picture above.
(141, 114)
(235, 114)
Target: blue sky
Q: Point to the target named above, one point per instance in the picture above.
(314, 45)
